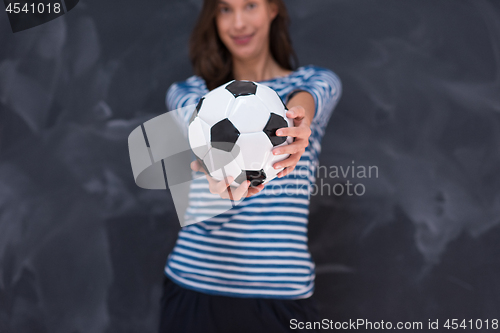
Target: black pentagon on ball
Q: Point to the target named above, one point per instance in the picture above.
(273, 124)
(196, 110)
(241, 88)
(256, 177)
(223, 135)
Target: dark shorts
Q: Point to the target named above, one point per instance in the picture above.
(188, 311)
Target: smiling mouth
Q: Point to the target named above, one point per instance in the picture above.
(242, 39)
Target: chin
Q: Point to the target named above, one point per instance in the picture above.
(244, 53)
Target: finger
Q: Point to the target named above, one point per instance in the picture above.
(286, 171)
(216, 186)
(240, 191)
(254, 190)
(195, 165)
(296, 112)
(225, 194)
(221, 186)
(295, 147)
(292, 160)
(296, 132)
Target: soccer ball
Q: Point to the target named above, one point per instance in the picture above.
(232, 132)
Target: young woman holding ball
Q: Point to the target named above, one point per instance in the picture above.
(249, 269)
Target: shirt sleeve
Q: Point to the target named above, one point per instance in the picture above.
(182, 94)
(326, 89)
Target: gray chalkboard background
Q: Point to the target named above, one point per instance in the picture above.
(82, 248)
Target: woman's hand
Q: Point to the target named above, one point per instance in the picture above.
(301, 132)
(223, 187)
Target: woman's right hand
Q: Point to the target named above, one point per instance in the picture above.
(223, 187)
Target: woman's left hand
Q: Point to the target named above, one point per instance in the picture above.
(301, 132)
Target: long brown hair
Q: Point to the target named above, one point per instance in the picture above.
(212, 60)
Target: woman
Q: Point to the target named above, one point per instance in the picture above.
(249, 269)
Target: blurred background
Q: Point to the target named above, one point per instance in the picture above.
(82, 248)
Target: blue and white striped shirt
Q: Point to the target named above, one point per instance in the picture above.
(258, 248)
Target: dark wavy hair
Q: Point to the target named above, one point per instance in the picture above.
(212, 60)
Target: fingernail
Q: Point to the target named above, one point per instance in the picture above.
(276, 152)
(276, 167)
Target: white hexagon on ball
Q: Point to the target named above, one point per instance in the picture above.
(268, 96)
(222, 164)
(255, 149)
(271, 160)
(249, 114)
(199, 137)
(216, 105)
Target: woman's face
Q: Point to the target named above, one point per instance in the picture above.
(244, 25)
